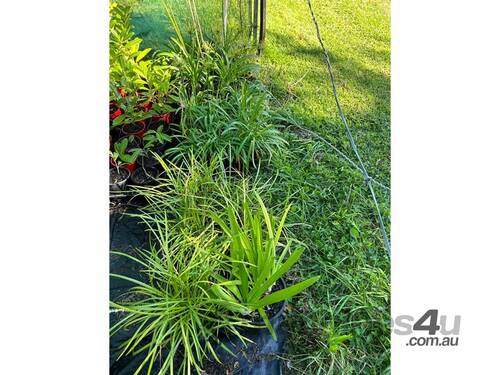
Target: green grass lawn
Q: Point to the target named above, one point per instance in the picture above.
(332, 202)
(357, 34)
(340, 227)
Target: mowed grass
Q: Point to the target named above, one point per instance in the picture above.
(357, 34)
(339, 225)
(332, 205)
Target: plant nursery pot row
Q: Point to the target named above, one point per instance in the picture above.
(144, 161)
(139, 128)
(121, 176)
(136, 128)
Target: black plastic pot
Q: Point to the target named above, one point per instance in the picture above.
(136, 128)
(118, 178)
(143, 175)
(115, 133)
(146, 161)
(261, 357)
(154, 124)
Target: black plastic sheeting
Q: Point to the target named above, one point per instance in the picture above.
(126, 234)
(257, 358)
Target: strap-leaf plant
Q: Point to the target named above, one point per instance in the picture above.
(172, 315)
(256, 260)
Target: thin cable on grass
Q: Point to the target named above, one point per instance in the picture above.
(347, 158)
(367, 177)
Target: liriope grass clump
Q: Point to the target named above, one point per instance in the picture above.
(214, 254)
(175, 316)
(238, 128)
(224, 110)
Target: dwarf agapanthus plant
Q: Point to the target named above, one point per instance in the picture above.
(257, 256)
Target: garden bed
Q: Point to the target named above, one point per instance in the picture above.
(259, 357)
(224, 165)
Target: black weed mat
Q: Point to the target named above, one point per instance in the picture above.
(126, 235)
(257, 358)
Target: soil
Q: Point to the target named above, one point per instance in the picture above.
(117, 175)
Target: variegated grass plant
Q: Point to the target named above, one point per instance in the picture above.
(175, 316)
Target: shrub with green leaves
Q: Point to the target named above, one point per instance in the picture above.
(141, 85)
(123, 44)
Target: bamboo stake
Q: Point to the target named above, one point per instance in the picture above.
(225, 6)
(249, 18)
(241, 14)
(255, 15)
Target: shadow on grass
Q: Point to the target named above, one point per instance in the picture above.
(348, 71)
(153, 29)
(367, 105)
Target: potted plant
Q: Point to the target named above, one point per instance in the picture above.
(118, 175)
(140, 84)
(126, 150)
(127, 110)
(137, 128)
(257, 263)
(156, 139)
(154, 142)
(129, 119)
